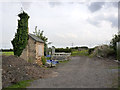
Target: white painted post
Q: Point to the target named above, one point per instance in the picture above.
(118, 50)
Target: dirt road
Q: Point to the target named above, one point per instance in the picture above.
(81, 72)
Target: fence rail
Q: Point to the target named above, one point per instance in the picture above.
(60, 54)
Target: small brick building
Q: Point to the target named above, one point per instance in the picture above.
(34, 49)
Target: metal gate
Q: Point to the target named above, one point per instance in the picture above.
(118, 50)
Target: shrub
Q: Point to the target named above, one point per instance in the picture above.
(43, 59)
(115, 39)
(90, 50)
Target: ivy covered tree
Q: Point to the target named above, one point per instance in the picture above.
(21, 37)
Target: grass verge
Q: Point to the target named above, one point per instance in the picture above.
(80, 53)
(65, 61)
(7, 53)
(21, 84)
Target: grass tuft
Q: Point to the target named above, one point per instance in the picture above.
(21, 84)
(80, 53)
(7, 53)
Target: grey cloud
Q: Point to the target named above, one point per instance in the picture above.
(95, 6)
(98, 19)
(114, 21)
(53, 4)
(111, 4)
(25, 5)
(93, 22)
(115, 4)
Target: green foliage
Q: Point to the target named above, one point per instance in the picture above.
(30, 61)
(21, 37)
(80, 53)
(21, 84)
(43, 59)
(115, 39)
(67, 50)
(65, 61)
(82, 47)
(48, 58)
(90, 50)
(8, 53)
(40, 35)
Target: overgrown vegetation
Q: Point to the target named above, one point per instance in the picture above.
(43, 59)
(67, 50)
(40, 35)
(115, 39)
(21, 37)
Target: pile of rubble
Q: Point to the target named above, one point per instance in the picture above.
(15, 69)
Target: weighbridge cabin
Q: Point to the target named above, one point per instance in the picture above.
(34, 49)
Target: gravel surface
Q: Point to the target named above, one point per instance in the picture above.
(81, 72)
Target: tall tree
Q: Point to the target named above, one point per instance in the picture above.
(115, 39)
(21, 37)
(39, 34)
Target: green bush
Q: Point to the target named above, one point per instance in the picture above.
(43, 59)
(90, 50)
(48, 58)
(115, 39)
(21, 84)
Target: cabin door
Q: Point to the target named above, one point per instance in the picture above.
(40, 50)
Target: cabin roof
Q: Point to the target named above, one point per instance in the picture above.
(35, 38)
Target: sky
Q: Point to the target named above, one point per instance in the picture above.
(81, 23)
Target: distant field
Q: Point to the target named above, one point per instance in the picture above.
(7, 53)
(80, 53)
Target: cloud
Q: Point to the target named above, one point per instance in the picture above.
(104, 14)
(53, 4)
(25, 5)
(95, 6)
(96, 21)
(67, 36)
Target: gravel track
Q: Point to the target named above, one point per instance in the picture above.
(81, 72)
